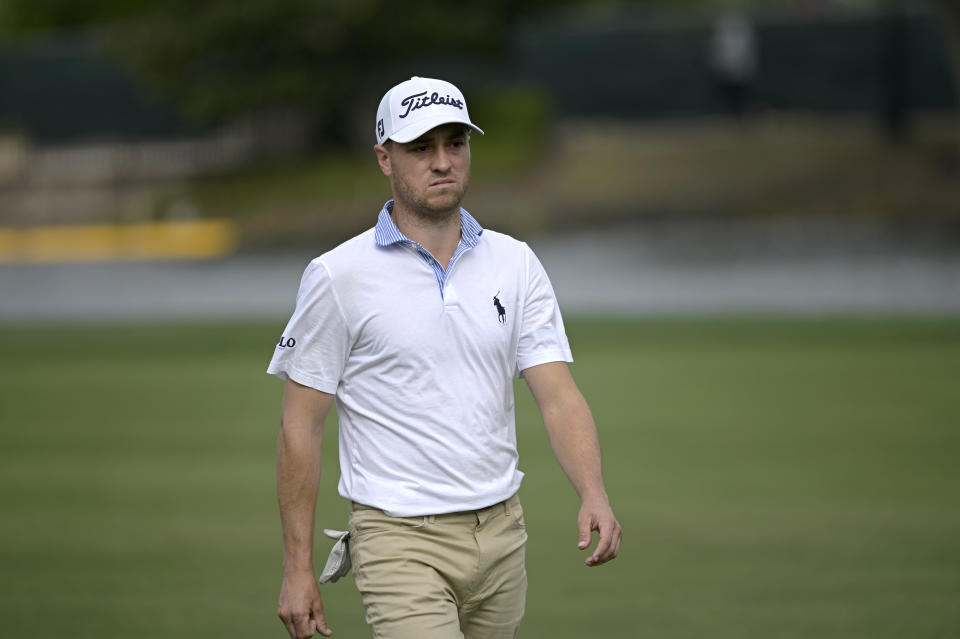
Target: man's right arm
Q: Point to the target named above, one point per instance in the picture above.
(298, 477)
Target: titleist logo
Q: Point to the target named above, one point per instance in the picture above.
(420, 100)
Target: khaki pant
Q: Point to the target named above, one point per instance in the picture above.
(453, 576)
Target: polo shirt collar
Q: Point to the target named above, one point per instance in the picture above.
(387, 232)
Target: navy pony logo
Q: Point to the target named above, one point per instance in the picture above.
(501, 311)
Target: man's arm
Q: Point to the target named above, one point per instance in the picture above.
(298, 477)
(573, 436)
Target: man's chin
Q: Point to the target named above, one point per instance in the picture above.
(442, 205)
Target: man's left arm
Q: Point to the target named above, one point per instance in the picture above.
(573, 436)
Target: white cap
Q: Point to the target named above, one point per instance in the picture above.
(412, 108)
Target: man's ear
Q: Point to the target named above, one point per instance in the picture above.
(383, 158)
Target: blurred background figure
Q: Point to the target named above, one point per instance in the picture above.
(733, 59)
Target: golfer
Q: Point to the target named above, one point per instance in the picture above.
(416, 329)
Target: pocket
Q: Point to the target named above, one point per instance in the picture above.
(516, 513)
(365, 521)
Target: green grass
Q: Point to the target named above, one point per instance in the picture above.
(774, 478)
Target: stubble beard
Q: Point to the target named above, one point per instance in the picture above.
(420, 205)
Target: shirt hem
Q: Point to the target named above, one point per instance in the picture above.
(544, 357)
(393, 510)
(292, 372)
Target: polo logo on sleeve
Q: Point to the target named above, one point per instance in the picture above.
(501, 311)
(286, 342)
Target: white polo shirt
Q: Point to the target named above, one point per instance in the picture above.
(421, 362)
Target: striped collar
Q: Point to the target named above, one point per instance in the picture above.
(387, 232)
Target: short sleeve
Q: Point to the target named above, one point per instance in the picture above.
(542, 336)
(314, 346)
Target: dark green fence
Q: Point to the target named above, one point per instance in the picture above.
(642, 67)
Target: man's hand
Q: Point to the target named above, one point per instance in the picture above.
(597, 515)
(301, 609)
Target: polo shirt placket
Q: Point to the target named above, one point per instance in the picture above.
(387, 234)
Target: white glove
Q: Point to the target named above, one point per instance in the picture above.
(338, 561)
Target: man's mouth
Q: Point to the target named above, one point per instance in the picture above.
(443, 182)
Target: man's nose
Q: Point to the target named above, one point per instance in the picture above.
(441, 160)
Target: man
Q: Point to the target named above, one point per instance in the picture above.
(415, 328)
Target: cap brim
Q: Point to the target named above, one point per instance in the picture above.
(413, 131)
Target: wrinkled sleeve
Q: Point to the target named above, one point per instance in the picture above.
(313, 348)
(542, 336)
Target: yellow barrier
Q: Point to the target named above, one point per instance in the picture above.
(181, 240)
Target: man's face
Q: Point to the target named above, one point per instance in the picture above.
(429, 175)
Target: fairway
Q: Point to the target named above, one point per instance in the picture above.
(775, 478)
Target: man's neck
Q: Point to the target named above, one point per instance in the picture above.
(438, 234)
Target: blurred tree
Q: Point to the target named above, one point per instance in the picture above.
(950, 10)
(222, 58)
(218, 59)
